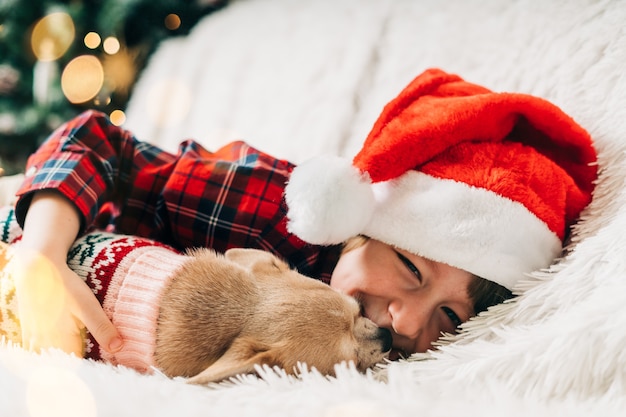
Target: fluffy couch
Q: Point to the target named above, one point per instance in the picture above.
(298, 78)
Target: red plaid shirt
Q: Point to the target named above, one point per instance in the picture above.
(229, 198)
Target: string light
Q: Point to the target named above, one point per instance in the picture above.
(82, 78)
(117, 117)
(92, 40)
(111, 45)
(172, 21)
(52, 36)
(102, 99)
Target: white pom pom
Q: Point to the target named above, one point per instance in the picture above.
(329, 201)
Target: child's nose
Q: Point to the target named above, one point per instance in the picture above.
(416, 322)
(407, 321)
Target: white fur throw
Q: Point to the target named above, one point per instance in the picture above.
(301, 77)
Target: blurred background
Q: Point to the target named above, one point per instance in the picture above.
(61, 57)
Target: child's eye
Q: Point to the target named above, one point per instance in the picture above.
(410, 266)
(456, 321)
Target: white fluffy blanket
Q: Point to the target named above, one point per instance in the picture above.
(296, 78)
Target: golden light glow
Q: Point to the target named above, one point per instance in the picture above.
(58, 392)
(111, 45)
(92, 40)
(82, 78)
(117, 117)
(168, 102)
(172, 21)
(52, 35)
(43, 304)
(120, 70)
(102, 100)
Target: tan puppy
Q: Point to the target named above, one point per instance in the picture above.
(213, 316)
(223, 316)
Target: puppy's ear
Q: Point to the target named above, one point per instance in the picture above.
(239, 359)
(255, 259)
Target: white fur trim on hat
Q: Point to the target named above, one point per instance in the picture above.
(471, 228)
(329, 200)
(467, 227)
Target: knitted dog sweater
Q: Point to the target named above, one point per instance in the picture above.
(126, 273)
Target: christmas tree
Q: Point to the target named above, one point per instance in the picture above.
(58, 58)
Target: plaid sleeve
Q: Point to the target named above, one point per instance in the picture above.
(90, 161)
(232, 197)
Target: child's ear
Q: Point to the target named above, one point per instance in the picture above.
(239, 359)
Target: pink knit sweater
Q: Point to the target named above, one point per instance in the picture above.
(128, 275)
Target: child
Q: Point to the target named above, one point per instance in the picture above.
(457, 193)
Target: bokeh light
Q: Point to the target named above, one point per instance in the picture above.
(52, 36)
(44, 314)
(58, 392)
(120, 70)
(102, 99)
(92, 40)
(111, 45)
(82, 78)
(172, 21)
(118, 117)
(168, 102)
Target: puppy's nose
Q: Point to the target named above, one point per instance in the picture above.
(384, 335)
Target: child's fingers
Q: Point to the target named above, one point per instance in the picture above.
(55, 305)
(90, 313)
(43, 305)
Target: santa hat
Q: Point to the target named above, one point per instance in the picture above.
(486, 182)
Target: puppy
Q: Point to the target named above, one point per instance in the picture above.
(224, 315)
(208, 316)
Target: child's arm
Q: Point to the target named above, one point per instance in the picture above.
(93, 163)
(54, 303)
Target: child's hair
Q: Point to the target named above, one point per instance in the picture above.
(485, 293)
(482, 292)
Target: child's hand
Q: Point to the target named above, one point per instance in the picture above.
(46, 296)
(55, 304)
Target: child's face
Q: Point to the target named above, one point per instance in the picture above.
(412, 296)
